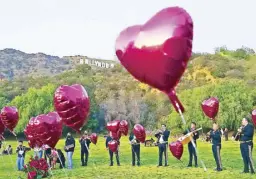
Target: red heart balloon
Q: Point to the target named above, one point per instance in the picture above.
(254, 117)
(113, 126)
(176, 149)
(10, 117)
(210, 107)
(113, 145)
(45, 129)
(73, 105)
(139, 132)
(2, 127)
(94, 138)
(116, 135)
(124, 127)
(158, 51)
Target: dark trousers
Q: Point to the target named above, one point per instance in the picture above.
(136, 152)
(84, 153)
(162, 150)
(192, 153)
(216, 155)
(111, 157)
(246, 151)
(47, 154)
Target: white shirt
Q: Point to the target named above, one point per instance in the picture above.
(161, 140)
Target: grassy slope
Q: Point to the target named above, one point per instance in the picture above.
(98, 163)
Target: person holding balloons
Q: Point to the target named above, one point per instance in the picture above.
(135, 144)
(110, 139)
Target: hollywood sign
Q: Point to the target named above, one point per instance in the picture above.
(101, 64)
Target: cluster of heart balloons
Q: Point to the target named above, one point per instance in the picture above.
(72, 107)
(9, 118)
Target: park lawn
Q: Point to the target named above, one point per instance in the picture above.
(99, 161)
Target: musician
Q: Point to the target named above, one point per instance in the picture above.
(226, 134)
(108, 139)
(135, 145)
(191, 149)
(215, 135)
(246, 145)
(162, 141)
(85, 144)
(69, 148)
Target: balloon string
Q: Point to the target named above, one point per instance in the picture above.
(191, 139)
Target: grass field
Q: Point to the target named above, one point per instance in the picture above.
(99, 161)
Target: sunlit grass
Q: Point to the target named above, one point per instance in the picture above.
(99, 161)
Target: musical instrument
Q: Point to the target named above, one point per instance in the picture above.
(187, 138)
(66, 148)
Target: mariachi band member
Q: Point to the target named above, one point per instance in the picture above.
(85, 144)
(191, 149)
(215, 135)
(246, 145)
(162, 141)
(110, 138)
(135, 145)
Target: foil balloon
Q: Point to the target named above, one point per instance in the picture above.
(113, 126)
(45, 129)
(73, 105)
(210, 107)
(10, 117)
(124, 127)
(2, 128)
(94, 138)
(116, 135)
(139, 133)
(176, 149)
(157, 52)
(113, 145)
(254, 117)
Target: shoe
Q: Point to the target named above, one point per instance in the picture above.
(159, 165)
(118, 165)
(166, 165)
(243, 172)
(189, 165)
(196, 166)
(82, 165)
(111, 164)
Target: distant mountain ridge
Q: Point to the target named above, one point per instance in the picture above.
(15, 63)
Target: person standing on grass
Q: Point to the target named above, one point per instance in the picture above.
(85, 144)
(135, 145)
(21, 151)
(38, 152)
(108, 139)
(69, 148)
(215, 135)
(191, 148)
(246, 145)
(226, 134)
(162, 141)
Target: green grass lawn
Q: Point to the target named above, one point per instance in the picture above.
(99, 161)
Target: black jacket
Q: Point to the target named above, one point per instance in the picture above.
(82, 141)
(23, 150)
(216, 137)
(247, 133)
(70, 141)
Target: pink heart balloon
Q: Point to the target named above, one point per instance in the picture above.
(139, 132)
(113, 126)
(73, 105)
(2, 128)
(176, 149)
(210, 107)
(94, 138)
(113, 145)
(124, 127)
(158, 51)
(10, 117)
(254, 117)
(45, 129)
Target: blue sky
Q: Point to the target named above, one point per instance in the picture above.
(90, 27)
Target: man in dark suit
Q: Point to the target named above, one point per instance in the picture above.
(191, 149)
(162, 140)
(135, 144)
(85, 144)
(246, 145)
(108, 139)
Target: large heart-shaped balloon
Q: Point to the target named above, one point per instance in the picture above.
(254, 117)
(45, 129)
(124, 127)
(158, 51)
(176, 149)
(73, 105)
(10, 117)
(210, 107)
(113, 145)
(2, 127)
(94, 138)
(113, 126)
(116, 135)
(139, 132)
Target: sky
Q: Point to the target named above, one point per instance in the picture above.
(90, 27)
